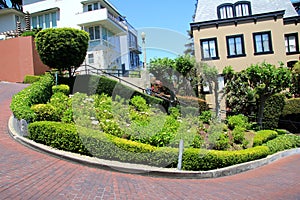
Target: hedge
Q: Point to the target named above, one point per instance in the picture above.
(272, 112)
(65, 89)
(199, 159)
(98, 144)
(38, 92)
(264, 136)
(29, 79)
(283, 142)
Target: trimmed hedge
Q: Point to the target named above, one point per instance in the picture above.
(291, 116)
(65, 89)
(199, 159)
(264, 136)
(29, 79)
(272, 112)
(57, 135)
(98, 144)
(38, 92)
(283, 142)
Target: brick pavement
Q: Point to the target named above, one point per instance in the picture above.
(27, 174)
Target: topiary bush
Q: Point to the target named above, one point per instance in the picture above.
(264, 136)
(62, 48)
(45, 112)
(38, 92)
(65, 89)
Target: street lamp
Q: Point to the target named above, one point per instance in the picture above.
(143, 35)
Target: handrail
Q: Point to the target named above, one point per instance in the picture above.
(109, 74)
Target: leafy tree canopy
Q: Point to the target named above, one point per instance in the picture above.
(62, 48)
(258, 82)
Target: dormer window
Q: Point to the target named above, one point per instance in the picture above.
(225, 11)
(238, 9)
(242, 8)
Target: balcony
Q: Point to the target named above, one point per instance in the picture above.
(101, 17)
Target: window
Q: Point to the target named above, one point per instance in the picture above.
(91, 58)
(242, 9)
(91, 7)
(262, 43)
(209, 49)
(291, 43)
(225, 11)
(48, 20)
(238, 9)
(235, 46)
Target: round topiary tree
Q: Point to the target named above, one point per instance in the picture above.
(62, 48)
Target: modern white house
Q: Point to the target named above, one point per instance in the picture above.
(113, 41)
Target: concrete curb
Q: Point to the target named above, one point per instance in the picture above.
(14, 130)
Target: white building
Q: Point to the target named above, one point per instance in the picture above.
(8, 21)
(113, 41)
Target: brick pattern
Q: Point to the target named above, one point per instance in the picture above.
(28, 174)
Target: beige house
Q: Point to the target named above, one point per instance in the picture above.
(240, 33)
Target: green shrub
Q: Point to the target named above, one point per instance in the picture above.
(63, 105)
(282, 131)
(57, 135)
(283, 142)
(264, 136)
(206, 116)
(38, 92)
(28, 33)
(98, 144)
(29, 79)
(238, 134)
(65, 89)
(238, 120)
(139, 104)
(272, 112)
(200, 159)
(291, 115)
(292, 106)
(45, 112)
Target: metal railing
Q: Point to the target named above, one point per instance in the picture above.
(115, 73)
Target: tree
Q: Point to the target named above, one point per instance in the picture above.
(259, 82)
(62, 48)
(16, 4)
(178, 74)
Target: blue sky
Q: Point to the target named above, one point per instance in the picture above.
(165, 23)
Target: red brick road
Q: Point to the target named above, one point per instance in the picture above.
(27, 174)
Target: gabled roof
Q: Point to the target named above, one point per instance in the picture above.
(10, 11)
(207, 11)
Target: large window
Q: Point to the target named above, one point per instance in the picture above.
(262, 43)
(291, 43)
(235, 46)
(238, 9)
(209, 49)
(48, 20)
